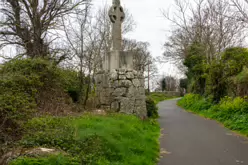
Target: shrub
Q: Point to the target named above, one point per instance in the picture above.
(29, 85)
(19, 87)
(195, 62)
(183, 83)
(189, 100)
(236, 105)
(241, 81)
(235, 59)
(57, 137)
(152, 109)
(71, 83)
(201, 105)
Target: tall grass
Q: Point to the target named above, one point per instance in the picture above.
(232, 112)
(113, 139)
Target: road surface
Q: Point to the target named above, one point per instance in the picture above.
(188, 139)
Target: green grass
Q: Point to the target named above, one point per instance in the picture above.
(158, 97)
(50, 160)
(231, 112)
(105, 140)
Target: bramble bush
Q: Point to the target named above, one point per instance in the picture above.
(19, 86)
(232, 112)
(70, 82)
(152, 109)
(30, 86)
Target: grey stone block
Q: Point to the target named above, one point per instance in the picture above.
(121, 71)
(142, 91)
(115, 106)
(115, 84)
(122, 77)
(125, 83)
(136, 82)
(113, 75)
(130, 75)
(120, 92)
(127, 106)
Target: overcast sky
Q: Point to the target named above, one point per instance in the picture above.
(151, 26)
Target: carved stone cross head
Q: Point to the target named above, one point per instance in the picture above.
(116, 2)
(116, 12)
(117, 16)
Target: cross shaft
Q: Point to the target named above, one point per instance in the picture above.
(117, 16)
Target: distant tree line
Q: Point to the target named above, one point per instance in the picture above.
(168, 83)
(207, 44)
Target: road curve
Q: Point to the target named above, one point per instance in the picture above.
(189, 139)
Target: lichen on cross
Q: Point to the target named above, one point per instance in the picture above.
(117, 16)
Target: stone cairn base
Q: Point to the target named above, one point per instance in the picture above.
(122, 90)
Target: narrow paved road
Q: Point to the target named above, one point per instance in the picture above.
(189, 139)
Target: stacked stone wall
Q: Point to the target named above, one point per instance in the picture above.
(122, 90)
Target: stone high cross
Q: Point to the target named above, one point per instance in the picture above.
(117, 16)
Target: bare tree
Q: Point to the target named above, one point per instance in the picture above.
(143, 60)
(208, 22)
(171, 83)
(97, 25)
(151, 73)
(89, 38)
(142, 56)
(32, 24)
(241, 8)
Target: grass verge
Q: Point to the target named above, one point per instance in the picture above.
(96, 140)
(232, 113)
(159, 96)
(49, 160)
